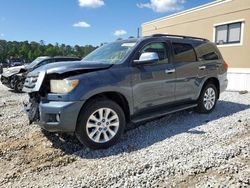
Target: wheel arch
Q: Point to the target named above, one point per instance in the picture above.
(117, 97)
(214, 81)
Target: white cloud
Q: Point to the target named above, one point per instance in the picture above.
(120, 32)
(162, 6)
(1, 35)
(82, 24)
(91, 3)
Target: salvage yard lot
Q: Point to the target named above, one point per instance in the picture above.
(182, 149)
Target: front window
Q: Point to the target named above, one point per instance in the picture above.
(228, 33)
(112, 53)
(158, 47)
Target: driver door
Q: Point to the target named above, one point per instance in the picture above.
(153, 83)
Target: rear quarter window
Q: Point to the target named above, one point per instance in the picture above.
(184, 52)
(208, 52)
(210, 56)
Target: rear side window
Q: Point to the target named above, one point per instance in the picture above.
(184, 53)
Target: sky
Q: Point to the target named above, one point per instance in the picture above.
(82, 22)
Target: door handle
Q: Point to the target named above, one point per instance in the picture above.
(169, 71)
(202, 67)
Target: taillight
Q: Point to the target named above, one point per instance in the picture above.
(225, 65)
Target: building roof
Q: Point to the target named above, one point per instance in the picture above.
(205, 6)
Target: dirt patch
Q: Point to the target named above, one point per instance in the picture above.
(29, 154)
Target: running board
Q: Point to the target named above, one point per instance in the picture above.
(161, 113)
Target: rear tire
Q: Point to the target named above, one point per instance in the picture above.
(100, 124)
(208, 99)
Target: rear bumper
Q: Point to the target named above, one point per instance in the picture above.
(223, 86)
(223, 82)
(58, 116)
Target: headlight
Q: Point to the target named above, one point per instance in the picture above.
(63, 86)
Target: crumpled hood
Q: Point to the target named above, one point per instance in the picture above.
(12, 70)
(58, 68)
(63, 67)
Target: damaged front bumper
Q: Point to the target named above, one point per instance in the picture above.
(55, 116)
(53, 112)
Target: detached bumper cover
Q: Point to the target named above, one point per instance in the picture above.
(58, 116)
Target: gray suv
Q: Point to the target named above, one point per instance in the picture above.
(126, 81)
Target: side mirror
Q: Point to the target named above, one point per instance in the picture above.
(147, 58)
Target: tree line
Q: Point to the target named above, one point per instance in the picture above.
(28, 51)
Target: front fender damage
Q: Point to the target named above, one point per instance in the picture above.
(37, 85)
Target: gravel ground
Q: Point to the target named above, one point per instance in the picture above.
(184, 149)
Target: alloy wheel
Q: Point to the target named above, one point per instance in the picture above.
(209, 98)
(102, 125)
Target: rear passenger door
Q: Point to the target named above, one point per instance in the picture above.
(187, 70)
(210, 58)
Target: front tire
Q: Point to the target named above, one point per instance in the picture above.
(208, 99)
(18, 87)
(100, 124)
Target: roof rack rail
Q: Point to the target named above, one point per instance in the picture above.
(179, 36)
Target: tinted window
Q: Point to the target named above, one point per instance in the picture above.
(158, 47)
(184, 52)
(208, 51)
(210, 56)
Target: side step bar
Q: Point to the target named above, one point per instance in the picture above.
(161, 113)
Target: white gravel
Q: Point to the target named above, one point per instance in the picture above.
(184, 149)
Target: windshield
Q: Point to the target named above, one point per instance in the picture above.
(35, 62)
(112, 53)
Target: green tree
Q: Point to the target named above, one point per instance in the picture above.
(28, 51)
